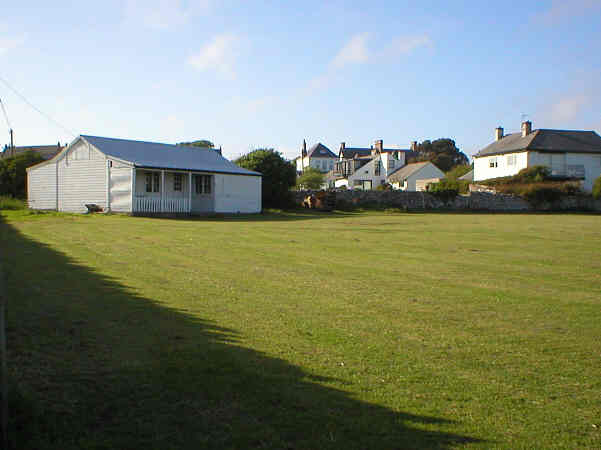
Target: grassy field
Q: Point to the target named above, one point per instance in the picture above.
(304, 331)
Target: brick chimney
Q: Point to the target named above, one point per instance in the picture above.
(342, 146)
(379, 145)
(526, 128)
(413, 146)
(498, 133)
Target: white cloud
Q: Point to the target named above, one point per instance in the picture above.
(568, 107)
(219, 54)
(561, 10)
(354, 52)
(404, 45)
(162, 14)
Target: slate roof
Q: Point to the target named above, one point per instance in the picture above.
(407, 170)
(320, 151)
(350, 152)
(166, 156)
(546, 140)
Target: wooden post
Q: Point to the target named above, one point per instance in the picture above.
(189, 192)
(133, 189)
(108, 184)
(162, 191)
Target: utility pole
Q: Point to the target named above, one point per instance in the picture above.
(12, 143)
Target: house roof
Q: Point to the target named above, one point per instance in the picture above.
(407, 170)
(166, 156)
(320, 151)
(350, 152)
(45, 151)
(546, 140)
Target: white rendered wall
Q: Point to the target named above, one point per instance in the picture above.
(483, 171)
(367, 172)
(237, 194)
(41, 187)
(427, 172)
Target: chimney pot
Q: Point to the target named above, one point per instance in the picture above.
(498, 133)
(413, 146)
(342, 146)
(526, 128)
(379, 144)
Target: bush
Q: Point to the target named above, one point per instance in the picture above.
(12, 203)
(279, 176)
(384, 187)
(597, 188)
(458, 171)
(445, 189)
(13, 176)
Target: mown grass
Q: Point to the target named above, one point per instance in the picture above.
(346, 330)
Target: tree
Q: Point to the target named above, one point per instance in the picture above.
(203, 143)
(13, 176)
(279, 175)
(443, 153)
(310, 179)
(458, 171)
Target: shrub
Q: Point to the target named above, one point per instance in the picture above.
(12, 203)
(445, 189)
(597, 188)
(384, 187)
(13, 175)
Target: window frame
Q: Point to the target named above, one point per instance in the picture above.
(177, 182)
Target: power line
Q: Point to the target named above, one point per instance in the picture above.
(22, 97)
(5, 115)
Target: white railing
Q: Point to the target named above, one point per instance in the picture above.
(158, 205)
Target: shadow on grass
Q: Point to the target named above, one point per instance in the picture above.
(101, 367)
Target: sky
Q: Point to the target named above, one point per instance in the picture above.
(247, 74)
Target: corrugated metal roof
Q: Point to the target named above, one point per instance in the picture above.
(166, 156)
(546, 140)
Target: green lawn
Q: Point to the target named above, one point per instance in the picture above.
(305, 331)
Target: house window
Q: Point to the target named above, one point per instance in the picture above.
(152, 181)
(177, 181)
(202, 184)
(492, 163)
(156, 182)
(377, 167)
(511, 160)
(391, 163)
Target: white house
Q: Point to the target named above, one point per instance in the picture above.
(366, 168)
(575, 154)
(142, 178)
(318, 157)
(408, 177)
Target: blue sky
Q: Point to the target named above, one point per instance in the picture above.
(246, 74)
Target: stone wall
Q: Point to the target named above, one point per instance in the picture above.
(475, 201)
